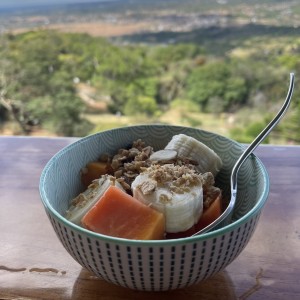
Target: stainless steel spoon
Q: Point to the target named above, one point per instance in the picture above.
(233, 179)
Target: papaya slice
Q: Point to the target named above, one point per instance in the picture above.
(120, 215)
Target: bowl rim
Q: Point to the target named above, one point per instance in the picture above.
(213, 234)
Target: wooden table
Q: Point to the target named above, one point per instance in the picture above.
(34, 265)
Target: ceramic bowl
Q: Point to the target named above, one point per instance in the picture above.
(153, 265)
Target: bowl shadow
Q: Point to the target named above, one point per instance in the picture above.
(88, 286)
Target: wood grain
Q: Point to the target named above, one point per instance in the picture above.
(34, 265)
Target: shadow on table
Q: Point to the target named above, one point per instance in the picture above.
(90, 287)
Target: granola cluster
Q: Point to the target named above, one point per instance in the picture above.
(210, 191)
(180, 172)
(179, 178)
(127, 164)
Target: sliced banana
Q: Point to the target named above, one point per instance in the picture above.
(174, 190)
(187, 146)
(163, 155)
(86, 200)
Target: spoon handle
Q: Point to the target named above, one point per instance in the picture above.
(263, 134)
(245, 155)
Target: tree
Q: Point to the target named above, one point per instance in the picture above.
(141, 105)
(45, 86)
(216, 81)
(207, 81)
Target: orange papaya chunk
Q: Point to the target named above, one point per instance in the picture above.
(120, 215)
(94, 170)
(210, 214)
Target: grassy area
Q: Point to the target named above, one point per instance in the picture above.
(223, 124)
(173, 117)
(220, 124)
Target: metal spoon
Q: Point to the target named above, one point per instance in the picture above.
(245, 155)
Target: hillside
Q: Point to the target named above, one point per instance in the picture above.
(221, 66)
(168, 15)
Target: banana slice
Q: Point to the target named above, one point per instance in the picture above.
(86, 200)
(174, 190)
(163, 155)
(187, 146)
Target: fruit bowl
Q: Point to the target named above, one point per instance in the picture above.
(156, 265)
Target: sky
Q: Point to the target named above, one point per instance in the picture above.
(23, 3)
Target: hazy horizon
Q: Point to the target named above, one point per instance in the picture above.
(30, 3)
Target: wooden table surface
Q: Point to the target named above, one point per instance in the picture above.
(34, 265)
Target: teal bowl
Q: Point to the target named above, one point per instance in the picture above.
(153, 265)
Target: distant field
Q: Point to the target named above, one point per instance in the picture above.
(100, 29)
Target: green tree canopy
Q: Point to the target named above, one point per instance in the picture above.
(216, 80)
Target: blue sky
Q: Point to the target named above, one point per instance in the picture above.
(14, 3)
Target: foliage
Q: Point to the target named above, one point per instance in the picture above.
(45, 86)
(185, 105)
(216, 81)
(248, 133)
(141, 105)
(41, 69)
